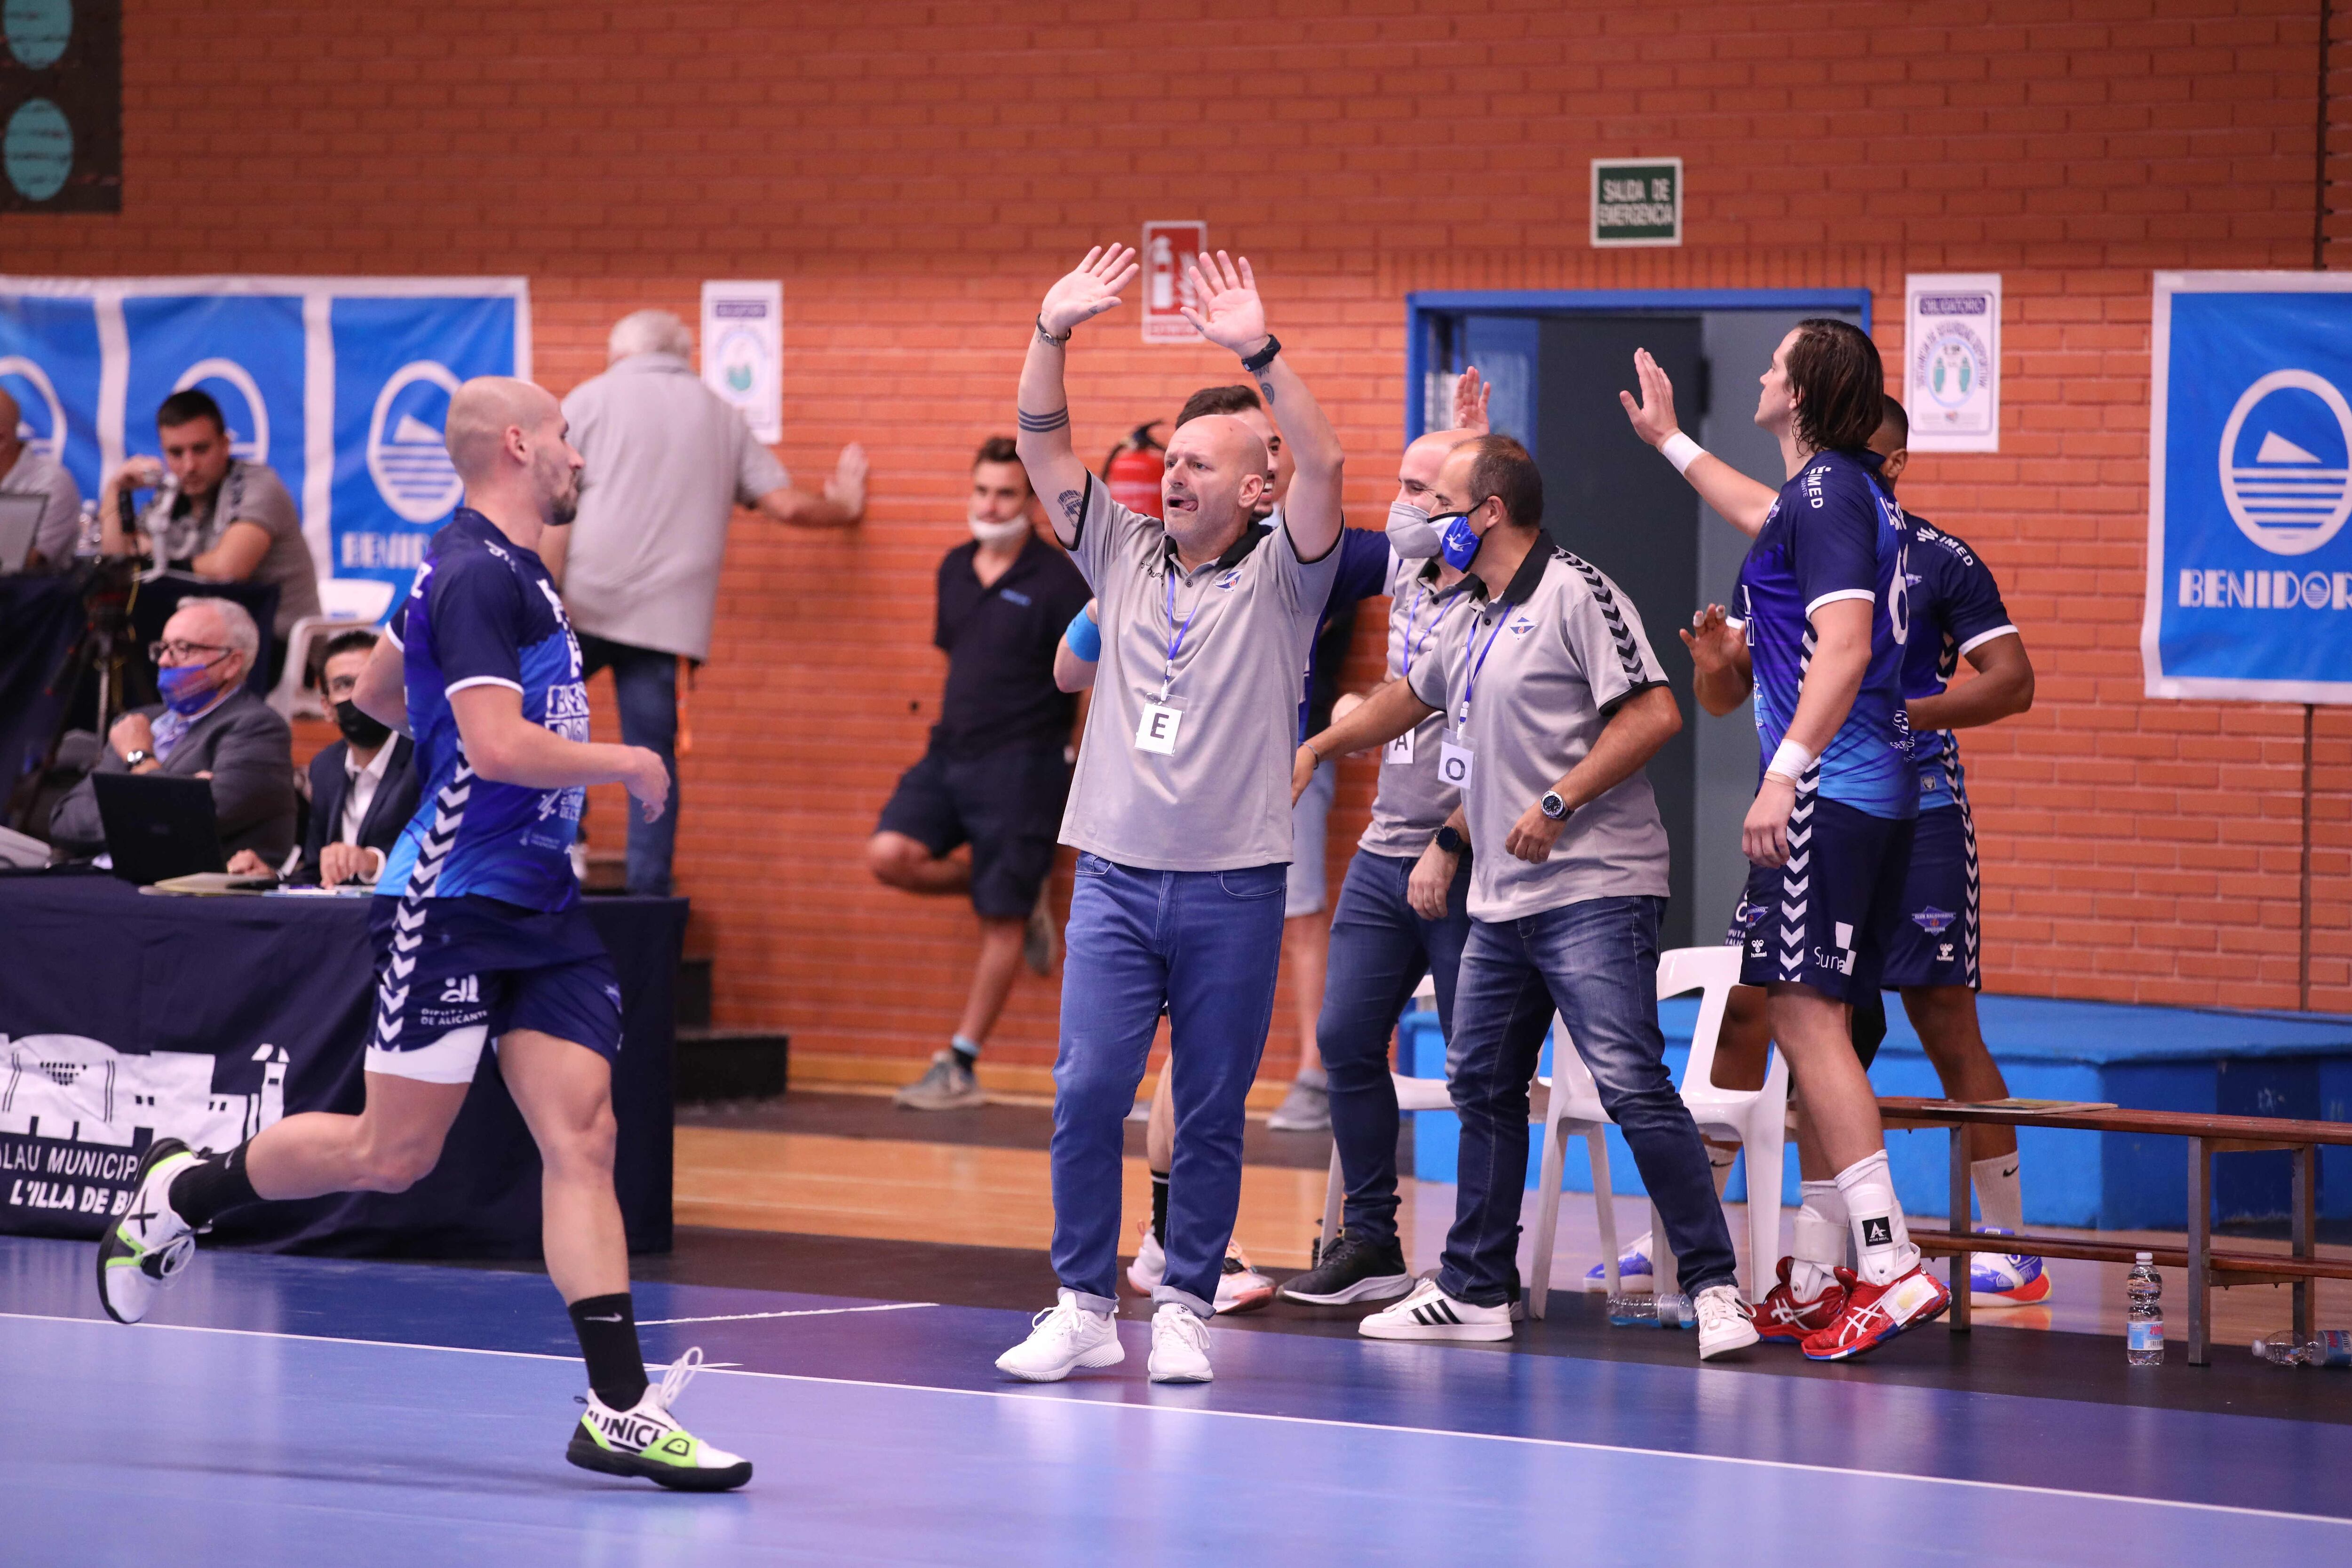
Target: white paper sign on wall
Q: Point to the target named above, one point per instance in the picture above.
(1951, 361)
(743, 352)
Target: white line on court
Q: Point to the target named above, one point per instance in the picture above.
(1037, 1391)
(803, 1312)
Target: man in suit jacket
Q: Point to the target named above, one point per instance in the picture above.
(364, 788)
(209, 726)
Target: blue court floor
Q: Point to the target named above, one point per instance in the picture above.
(284, 1410)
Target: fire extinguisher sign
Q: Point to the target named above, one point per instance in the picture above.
(1166, 247)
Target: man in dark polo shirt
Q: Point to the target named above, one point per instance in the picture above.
(998, 771)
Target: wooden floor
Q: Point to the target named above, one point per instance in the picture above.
(906, 1189)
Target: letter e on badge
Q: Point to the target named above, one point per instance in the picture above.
(1155, 731)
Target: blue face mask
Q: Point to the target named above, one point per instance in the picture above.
(1457, 542)
(186, 689)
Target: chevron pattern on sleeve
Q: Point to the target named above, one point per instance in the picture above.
(1629, 653)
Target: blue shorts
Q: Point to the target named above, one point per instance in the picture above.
(1935, 942)
(1826, 919)
(453, 974)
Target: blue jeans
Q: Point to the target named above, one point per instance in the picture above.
(646, 685)
(1597, 963)
(1380, 950)
(1207, 944)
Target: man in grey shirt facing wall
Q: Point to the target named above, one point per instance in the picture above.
(1178, 808)
(1553, 703)
(668, 462)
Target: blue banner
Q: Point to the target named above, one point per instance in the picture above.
(341, 385)
(2249, 563)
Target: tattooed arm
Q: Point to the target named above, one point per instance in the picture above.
(1055, 471)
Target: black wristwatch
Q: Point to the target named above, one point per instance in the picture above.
(136, 755)
(1264, 356)
(1453, 843)
(1551, 805)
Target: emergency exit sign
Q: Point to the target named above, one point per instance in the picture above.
(1637, 200)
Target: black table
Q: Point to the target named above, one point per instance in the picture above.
(124, 1014)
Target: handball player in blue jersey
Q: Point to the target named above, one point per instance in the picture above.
(1818, 633)
(1956, 613)
(480, 940)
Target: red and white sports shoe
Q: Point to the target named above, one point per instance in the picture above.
(1780, 1316)
(1876, 1313)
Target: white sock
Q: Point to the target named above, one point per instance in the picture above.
(1999, 1198)
(1720, 1158)
(1881, 1242)
(1821, 1240)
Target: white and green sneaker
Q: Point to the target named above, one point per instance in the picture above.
(145, 1250)
(646, 1441)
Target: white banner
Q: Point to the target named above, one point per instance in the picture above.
(743, 352)
(1951, 361)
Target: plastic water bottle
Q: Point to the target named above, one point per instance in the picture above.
(2144, 1331)
(2328, 1347)
(1675, 1310)
(1632, 1311)
(91, 542)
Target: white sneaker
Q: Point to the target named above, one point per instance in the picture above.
(143, 1251)
(645, 1440)
(1063, 1337)
(1151, 1265)
(1429, 1314)
(1724, 1323)
(1179, 1346)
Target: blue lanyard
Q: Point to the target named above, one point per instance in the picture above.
(1420, 596)
(1175, 632)
(1470, 687)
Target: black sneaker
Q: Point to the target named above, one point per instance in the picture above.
(1351, 1272)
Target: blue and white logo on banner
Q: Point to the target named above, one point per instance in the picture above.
(341, 385)
(2250, 486)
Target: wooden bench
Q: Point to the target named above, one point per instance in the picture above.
(2206, 1267)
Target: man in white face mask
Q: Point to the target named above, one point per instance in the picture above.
(997, 773)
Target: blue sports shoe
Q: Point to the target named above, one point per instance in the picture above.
(2006, 1279)
(1635, 1275)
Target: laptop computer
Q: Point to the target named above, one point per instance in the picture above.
(158, 825)
(20, 520)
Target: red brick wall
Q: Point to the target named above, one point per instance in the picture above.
(918, 174)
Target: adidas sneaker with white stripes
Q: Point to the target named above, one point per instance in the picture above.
(1429, 1314)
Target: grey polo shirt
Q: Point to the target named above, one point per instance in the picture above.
(35, 473)
(1218, 797)
(1413, 803)
(1555, 653)
(250, 492)
(668, 461)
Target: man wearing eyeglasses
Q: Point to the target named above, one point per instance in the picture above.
(209, 726)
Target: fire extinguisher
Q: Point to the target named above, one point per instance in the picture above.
(1132, 471)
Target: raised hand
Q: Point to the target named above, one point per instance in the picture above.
(1230, 315)
(1470, 395)
(1653, 414)
(1090, 290)
(1713, 641)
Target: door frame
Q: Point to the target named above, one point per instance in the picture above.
(1421, 305)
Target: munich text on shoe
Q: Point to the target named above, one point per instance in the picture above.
(1062, 1337)
(1151, 1265)
(947, 1086)
(1724, 1323)
(645, 1440)
(141, 1253)
(1634, 1270)
(1306, 1109)
(1429, 1314)
(1876, 1313)
(2006, 1279)
(1781, 1316)
(1350, 1270)
(1179, 1346)
(1240, 1288)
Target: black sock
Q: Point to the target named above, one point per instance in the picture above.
(967, 1051)
(212, 1186)
(1159, 1207)
(607, 1327)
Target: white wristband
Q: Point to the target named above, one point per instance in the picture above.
(1789, 762)
(1681, 451)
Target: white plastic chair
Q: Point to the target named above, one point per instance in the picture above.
(343, 602)
(1412, 1094)
(1758, 1119)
